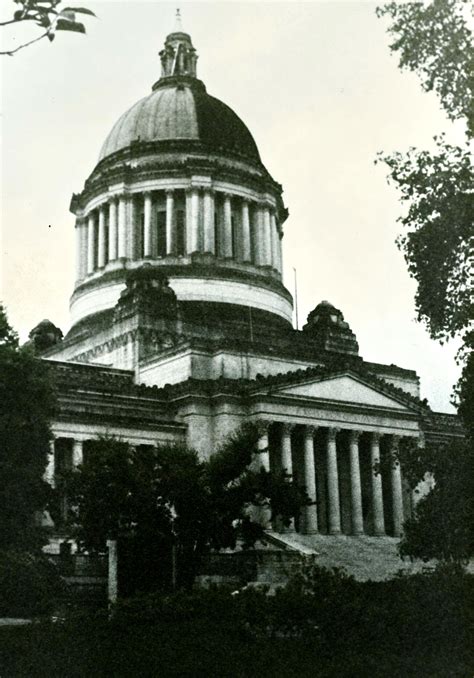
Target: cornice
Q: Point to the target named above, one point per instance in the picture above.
(119, 168)
(192, 270)
(356, 369)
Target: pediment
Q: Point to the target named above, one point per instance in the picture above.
(342, 388)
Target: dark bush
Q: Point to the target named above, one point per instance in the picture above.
(324, 623)
(30, 585)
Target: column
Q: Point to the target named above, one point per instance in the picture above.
(49, 471)
(112, 230)
(263, 453)
(262, 513)
(132, 252)
(227, 230)
(101, 239)
(209, 230)
(122, 228)
(255, 232)
(170, 225)
(245, 219)
(333, 484)
(90, 244)
(310, 512)
(258, 235)
(274, 240)
(286, 459)
(287, 465)
(83, 247)
(77, 452)
(147, 235)
(280, 253)
(267, 238)
(356, 492)
(194, 220)
(78, 232)
(397, 490)
(112, 578)
(377, 496)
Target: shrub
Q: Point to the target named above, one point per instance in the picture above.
(29, 584)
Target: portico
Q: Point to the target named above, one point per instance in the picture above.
(350, 492)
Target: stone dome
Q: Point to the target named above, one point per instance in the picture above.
(180, 186)
(179, 108)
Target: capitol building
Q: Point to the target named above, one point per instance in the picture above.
(181, 326)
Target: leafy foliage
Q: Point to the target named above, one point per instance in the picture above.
(48, 16)
(327, 625)
(434, 41)
(29, 584)
(438, 191)
(166, 495)
(442, 526)
(26, 405)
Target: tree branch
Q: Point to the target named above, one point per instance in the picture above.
(17, 49)
(11, 21)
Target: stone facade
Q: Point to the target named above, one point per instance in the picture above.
(181, 326)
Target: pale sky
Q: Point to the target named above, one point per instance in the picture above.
(317, 87)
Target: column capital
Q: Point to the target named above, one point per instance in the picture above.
(394, 442)
(354, 435)
(332, 433)
(375, 437)
(287, 428)
(169, 192)
(310, 430)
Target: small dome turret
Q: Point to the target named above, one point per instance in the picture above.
(326, 324)
(43, 336)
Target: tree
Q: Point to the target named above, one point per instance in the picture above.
(151, 499)
(434, 41)
(48, 16)
(26, 406)
(442, 526)
(28, 582)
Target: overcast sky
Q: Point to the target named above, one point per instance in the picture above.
(317, 87)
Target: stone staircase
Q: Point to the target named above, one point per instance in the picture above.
(363, 557)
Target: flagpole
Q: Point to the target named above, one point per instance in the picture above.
(296, 299)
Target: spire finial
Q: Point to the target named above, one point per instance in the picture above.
(178, 26)
(178, 56)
